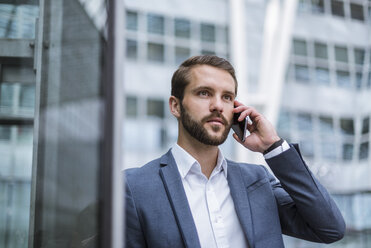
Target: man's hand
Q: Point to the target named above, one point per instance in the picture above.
(262, 133)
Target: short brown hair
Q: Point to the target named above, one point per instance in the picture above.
(181, 76)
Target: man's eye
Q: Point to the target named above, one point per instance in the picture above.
(203, 93)
(228, 98)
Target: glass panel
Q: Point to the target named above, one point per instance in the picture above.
(337, 8)
(359, 80)
(5, 132)
(322, 76)
(304, 122)
(356, 12)
(17, 21)
(320, 50)
(366, 125)
(155, 24)
(300, 47)
(181, 54)
(284, 121)
(207, 32)
(301, 73)
(27, 96)
(328, 149)
(155, 107)
(155, 52)
(341, 54)
(70, 163)
(343, 79)
(363, 151)
(318, 6)
(326, 125)
(131, 20)
(347, 126)
(131, 49)
(347, 152)
(131, 106)
(359, 56)
(6, 95)
(182, 28)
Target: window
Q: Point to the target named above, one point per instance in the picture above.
(318, 6)
(343, 79)
(300, 47)
(155, 107)
(328, 149)
(326, 125)
(359, 80)
(304, 122)
(131, 20)
(181, 54)
(322, 76)
(347, 152)
(6, 94)
(284, 121)
(301, 73)
(363, 151)
(182, 28)
(337, 8)
(356, 12)
(131, 49)
(155, 24)
(5, 132)
(207, 32)
(27, 96)
(320, 50)
(366, 125)
(341, 54)
(155, 52)
(347, 126)
(131, 106)
(359, 56)
(25, 134)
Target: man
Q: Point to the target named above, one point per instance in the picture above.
(193, 197)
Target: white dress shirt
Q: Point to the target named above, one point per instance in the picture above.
(210, 200)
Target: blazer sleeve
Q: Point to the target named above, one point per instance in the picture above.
(306, 209)
(134, 237)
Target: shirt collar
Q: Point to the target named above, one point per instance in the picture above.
(185, 161)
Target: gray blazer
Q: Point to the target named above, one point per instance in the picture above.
(158, 214)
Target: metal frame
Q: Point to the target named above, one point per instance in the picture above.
(111, 188)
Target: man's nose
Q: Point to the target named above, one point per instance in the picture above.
(216, 104)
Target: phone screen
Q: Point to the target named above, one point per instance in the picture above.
(239, 127)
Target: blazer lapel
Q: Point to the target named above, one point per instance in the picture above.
(241, 200)
(174, 188)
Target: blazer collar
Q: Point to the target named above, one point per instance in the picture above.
(171, 179)
(238, 190)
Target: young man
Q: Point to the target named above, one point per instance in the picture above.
(193, 197)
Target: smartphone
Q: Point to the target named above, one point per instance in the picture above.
(239, 127)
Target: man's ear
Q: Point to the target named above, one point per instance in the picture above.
(174, 105)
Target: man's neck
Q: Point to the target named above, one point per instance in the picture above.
(206, 155)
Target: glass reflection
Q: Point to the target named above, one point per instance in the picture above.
(18, 20)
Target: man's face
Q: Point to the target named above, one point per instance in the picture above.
(206, 109)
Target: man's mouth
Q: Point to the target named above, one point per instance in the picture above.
(216, 121)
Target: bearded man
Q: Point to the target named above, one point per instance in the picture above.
(194, 197)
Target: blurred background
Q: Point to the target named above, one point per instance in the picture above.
(305, 64)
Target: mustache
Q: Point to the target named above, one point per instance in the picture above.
(213, 115)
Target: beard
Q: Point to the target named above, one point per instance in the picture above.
(197, 130)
